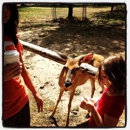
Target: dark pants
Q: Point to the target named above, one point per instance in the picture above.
(21, 119)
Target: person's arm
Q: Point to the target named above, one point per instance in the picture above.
(27, 79)
(87, 104)
(108, 121)
(100, 122)
(12, 70)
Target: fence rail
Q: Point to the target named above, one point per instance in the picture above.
(44, 52)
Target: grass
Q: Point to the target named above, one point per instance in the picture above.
(33, 14)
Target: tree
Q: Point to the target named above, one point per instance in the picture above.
(22, 4)
(70, 11)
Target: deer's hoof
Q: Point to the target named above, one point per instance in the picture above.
(87, 116)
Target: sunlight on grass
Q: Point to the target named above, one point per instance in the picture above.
(35, 14)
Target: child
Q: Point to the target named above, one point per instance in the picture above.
(16, 111)
(108, 109)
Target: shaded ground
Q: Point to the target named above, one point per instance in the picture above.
(72, 39)
(96, 35)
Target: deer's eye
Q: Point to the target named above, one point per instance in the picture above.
(77, 68)
(74, 70)
(65, 68)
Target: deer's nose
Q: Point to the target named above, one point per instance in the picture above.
(67, 83)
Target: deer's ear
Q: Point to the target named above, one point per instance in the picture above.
(87, 58)
(63, 56)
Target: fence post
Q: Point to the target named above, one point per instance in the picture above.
(84, 12)
(54, 12)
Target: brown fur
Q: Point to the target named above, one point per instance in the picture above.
(78, 77)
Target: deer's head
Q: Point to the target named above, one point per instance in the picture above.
(71, 67)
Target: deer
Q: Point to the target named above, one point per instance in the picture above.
(72, 76)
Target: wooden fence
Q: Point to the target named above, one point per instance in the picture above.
(44, 52)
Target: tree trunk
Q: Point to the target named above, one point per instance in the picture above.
(70, 11)
(22, 4)
(112, 8)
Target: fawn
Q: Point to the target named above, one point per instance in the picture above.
(72, 76)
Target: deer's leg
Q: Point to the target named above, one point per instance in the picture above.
(69, 105)
(92, 92)
(59, 98)
(92, 87)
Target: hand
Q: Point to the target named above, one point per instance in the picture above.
(39, 102)
(12, 70)
(87, 104)
(95, 101)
